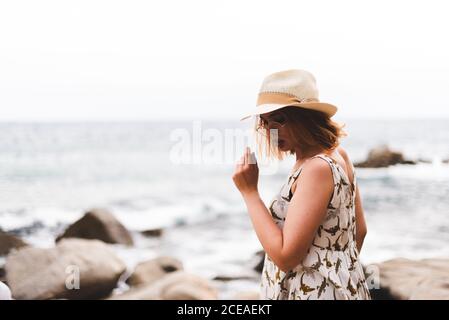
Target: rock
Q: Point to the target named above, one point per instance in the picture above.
(432, 289)
(382, 156)
(246, 295)
(150, 271)
(260, 258)
(28, 229)
(153, 232)
(2, 274)
(98, 224)
(423, 160)
(406, 279)
(9, 242)
(35, 273)
(177, 285)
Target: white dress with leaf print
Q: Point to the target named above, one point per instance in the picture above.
(331, 268)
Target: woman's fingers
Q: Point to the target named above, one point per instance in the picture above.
(249, 156)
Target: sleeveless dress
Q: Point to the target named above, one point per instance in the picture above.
(331, 268)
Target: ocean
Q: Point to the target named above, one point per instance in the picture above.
(51, 173)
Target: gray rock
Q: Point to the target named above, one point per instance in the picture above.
(405, 279)
(2, 274)
(382, 156)
(150, 271)
(98, 224)
(233, 277)
(177, 285)
(259, 257)
(9, 242)
(35, 273)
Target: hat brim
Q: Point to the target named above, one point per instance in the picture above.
(327, 108)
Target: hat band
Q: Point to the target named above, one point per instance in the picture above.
(281, 98)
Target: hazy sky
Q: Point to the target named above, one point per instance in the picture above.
(138, 60)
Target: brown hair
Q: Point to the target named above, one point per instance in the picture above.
(307, 128)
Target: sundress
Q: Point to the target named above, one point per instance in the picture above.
(331, 268)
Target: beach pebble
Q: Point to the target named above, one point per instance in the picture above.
(98, 224)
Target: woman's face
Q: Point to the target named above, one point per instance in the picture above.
(277, 120)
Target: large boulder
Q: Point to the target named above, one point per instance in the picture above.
(74, 269)
(406, 279)
(382, 156)
(152, 270)
(177, 285)
(98, 224)
(9, 242)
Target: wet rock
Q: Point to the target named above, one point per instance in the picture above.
(153, 232)
(233, 277)
(8, 242)
(98, 224)
(405, 279)
(259, 258)
(27, 230)
(2, 274)
(382, 156)
(74, 269)
(177, 285)
(152, 270)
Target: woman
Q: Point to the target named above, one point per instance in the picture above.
(313, 230)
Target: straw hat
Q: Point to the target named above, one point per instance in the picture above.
(290, 88)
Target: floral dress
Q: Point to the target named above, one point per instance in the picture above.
(331, 268)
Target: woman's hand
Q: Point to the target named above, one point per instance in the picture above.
(246, 173)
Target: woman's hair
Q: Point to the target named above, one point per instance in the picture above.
(307, 129)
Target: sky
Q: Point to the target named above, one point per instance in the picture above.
(162, 60)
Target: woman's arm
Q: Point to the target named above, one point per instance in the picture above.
(360, 224)
(308, 206)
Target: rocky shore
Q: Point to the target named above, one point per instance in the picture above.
(80, 267)
(382, 156)
(83, 265)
